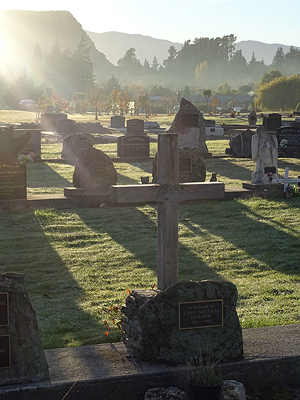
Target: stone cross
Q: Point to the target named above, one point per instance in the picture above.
(167, 193)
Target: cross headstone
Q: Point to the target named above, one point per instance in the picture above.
(167, 193)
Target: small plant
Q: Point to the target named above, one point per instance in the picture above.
(205, 374)
(114, 313)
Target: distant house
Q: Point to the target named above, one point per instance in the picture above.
(225, 101)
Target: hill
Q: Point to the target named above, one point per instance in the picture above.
(261, 50)
(115, 44)
(21, 30)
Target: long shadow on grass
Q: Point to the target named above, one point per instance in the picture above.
(227, 168)
(42, 175)
(136, 232)
(53, 291)
(258, 235)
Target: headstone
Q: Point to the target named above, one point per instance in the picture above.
(216, 130)
(73, 144)
(191, 166)
(133, 146)
(22, 358)
(151, 125)
(117, 122)
(252, 118)
(186, 321)
(65, 126)
(94, 169)
(272, 122)
(189, 124)
(10, 145)
(265, 153)
(288, 142)
(49, 120)
(135, 127)
(13, 181)
(12, 175)
(168, 192)
(240, 145)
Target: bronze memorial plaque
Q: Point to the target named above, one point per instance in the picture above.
(185, 164)
(200, 314)
(4, 351)
(4, 314)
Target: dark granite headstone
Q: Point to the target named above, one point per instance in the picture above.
(135, 127)
(240, 145)
(117, 122)
(13, 181)
(94, 169)
(272, 122)
(288, 141)
(22, 359)
(133, 146)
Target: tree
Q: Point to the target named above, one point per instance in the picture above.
(280, 94)
(170, 61)
(129, 64)
(155, 64)
(206, 94)
(269, 76)
(279, 59)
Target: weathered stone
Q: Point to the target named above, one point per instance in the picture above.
(252, 118)
(74, 144)
(27, 359)
(189, 124)
(94, 169)
(153, 326)
(191, 166)
(240, 144)
(233, 390)
(171, 393)
(11, 146)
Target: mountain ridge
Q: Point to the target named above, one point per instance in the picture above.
(115, 44)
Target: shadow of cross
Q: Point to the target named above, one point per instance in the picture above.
(167, 193)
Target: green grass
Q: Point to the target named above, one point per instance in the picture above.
(78, 262)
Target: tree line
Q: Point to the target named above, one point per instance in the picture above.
(205, 64)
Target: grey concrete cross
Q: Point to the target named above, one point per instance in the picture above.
(167, 193)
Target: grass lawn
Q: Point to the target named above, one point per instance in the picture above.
(79, 262)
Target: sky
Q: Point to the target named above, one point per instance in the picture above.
(267, 21)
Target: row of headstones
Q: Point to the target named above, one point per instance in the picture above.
(288, 137)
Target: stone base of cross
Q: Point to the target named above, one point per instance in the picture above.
(167, 193)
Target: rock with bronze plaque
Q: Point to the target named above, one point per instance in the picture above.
(165, 326)
(200, 314)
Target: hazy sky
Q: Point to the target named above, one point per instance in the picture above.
(268, 21)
